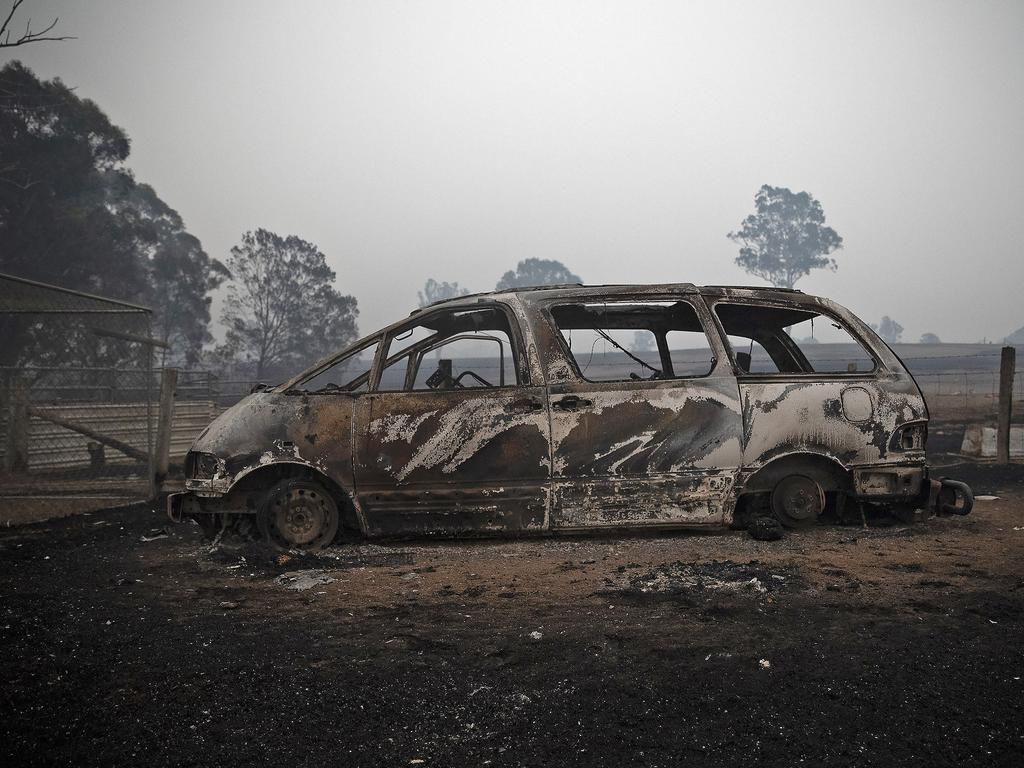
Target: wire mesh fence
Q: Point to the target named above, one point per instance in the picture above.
(968, 395)
(77, 400)
(202, 385)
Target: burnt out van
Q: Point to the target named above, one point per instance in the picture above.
(576, 408)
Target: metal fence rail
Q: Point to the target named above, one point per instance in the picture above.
(968, 395)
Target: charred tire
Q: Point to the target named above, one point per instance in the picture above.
(209, 524)
(749, 507)
(765, 529)
(298, 514)
(797, 500)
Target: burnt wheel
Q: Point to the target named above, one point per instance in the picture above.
(298, 515)
(797, 501)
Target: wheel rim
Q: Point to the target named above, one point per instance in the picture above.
(797, 501)
(300, 517)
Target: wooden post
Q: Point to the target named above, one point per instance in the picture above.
(16, 453)
(162, 462)
(1006, 366)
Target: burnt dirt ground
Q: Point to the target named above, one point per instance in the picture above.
(894, 645)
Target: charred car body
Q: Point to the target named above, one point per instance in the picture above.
(567, 408)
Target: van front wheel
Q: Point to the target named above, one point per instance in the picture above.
(298, 514)
(797, 501)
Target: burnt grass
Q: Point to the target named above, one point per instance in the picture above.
(875, 648)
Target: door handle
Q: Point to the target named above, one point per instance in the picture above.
(572, 403)
(525, 405)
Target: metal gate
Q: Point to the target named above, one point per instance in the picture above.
(77, 412)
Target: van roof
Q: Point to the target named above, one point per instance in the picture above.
(582, 290)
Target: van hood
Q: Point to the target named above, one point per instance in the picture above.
(267, 427)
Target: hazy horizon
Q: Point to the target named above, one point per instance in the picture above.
(451, 140)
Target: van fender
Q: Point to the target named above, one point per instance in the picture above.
(820, 465)
(251, 478)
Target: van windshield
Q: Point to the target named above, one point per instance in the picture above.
(349, 373)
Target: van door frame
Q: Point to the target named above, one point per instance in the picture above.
(453, 461)
(685, 486)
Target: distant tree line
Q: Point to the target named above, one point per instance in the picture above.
(72, 214)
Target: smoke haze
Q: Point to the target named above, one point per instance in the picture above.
(452, 139)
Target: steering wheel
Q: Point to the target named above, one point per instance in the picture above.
(478, 377)
(440, 379)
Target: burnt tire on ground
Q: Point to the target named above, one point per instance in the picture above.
(765, 528)
(750, 507)
(298, 514)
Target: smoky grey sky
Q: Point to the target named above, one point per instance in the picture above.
(452, 139)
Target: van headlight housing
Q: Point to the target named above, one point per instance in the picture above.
(202, 466)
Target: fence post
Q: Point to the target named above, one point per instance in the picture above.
(16, 453)
(162, 464)
(1006, 367)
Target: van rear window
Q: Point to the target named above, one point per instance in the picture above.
(782, 340)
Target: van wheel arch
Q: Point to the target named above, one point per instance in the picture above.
(258, 482)
(755, 496)
(824, 470)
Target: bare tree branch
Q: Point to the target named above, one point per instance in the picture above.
(28, 36)
(7, 21)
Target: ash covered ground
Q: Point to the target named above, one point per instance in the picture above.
(899, 645)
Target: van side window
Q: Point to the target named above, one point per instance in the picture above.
(451, 349)
(635, 340)
(782, 340)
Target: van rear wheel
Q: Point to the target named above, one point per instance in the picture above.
(298, 514)
(797, 501)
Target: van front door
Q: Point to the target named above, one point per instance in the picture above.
(455, 439)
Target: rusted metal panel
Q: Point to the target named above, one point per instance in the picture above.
(271, 427)
(655, 455)
(782, 417)
(454, 461)
(887, 481)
